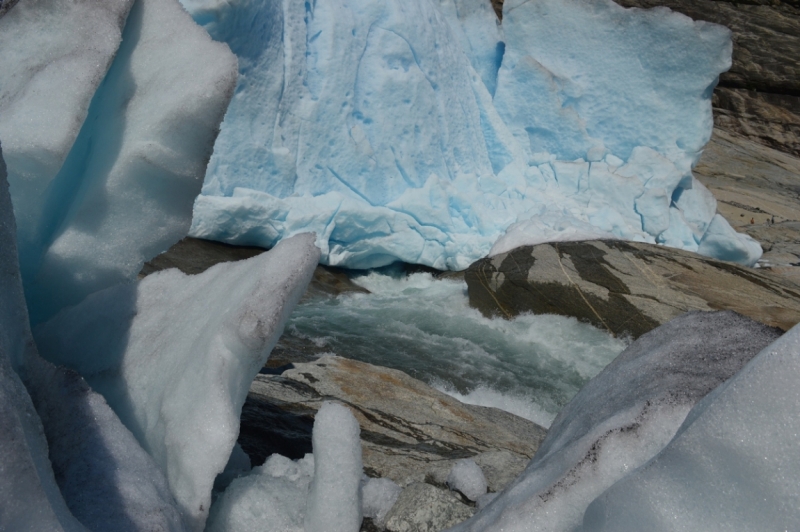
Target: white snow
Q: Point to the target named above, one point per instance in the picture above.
(422, 131)
(96, 204)
(174, 356)
(466, 476)
(270, 497)
(334, 500)
(378, 495)
(732, 466)
(622, 418)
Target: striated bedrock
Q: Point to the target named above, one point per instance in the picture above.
(759, 97)
(627, 288)
(409, 431)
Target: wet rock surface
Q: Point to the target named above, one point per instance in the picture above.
(627, 288)
(409, 431)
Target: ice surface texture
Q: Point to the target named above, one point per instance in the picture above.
(420, 130)
(733, 465)
(622, 418)
(104, 478)
(105, 158)
(174, 356)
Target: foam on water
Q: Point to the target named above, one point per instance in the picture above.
(530, 366)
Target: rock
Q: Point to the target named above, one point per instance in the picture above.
(625, 287)
(754, 182)
(759, 97)
(409, 431)
(424, 508)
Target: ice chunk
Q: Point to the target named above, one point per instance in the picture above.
(466, 476)
(53, 56)
(721, 241)
(334, 502)
(622, 418)
(378, 497)
(271, 496)
(124, 193)
(733, 464)
(174, 356)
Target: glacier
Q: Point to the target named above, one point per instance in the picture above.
(425, 131)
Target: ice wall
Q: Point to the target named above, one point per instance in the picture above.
(174, 356)
(733, 464)
(421, 131)
(105, 158)
(622, 418)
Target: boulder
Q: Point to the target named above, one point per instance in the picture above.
(627, 288)
(409, 431)
(423, 508)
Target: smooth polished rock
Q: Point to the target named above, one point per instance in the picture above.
(627, 288)
(424, 508)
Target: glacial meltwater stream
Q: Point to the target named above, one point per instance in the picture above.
(530, 366)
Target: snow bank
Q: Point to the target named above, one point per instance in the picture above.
(622, 418)
(421, 131)
(334, 500)
(174, 356)
(733, 464)
(272, 496)
(94, 205)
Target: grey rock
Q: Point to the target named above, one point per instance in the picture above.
(409, 431)
(424, 508)
(627, 288)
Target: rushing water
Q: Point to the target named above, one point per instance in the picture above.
(530, 366)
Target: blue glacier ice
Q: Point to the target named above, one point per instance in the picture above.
(423, 131)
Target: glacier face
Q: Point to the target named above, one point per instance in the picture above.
(422, 130)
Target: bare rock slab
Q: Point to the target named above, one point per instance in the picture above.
(628, 288)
